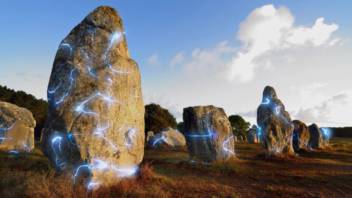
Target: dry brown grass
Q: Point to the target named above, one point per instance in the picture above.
(321, 173)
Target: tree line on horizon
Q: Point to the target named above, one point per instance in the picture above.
(156, 117)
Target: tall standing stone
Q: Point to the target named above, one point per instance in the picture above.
(16, 128)
(300, 135)
(96, 111)
(316, 137)
(208, 133)
(252, 135)
(275, 125)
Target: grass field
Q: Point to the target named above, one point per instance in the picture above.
(320, 173)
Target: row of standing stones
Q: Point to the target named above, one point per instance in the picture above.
(95, 121)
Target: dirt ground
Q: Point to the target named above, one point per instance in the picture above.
(320, 173)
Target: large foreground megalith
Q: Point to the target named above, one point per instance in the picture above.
(96, 112)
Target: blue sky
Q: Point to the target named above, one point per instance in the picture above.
(158, 30)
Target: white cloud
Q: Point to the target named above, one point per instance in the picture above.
(269, 29)
(177, 59)
(209, 62)
(305, 70)
(153, 60)
(324, 112)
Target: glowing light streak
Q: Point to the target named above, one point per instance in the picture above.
(26, 147)
(15, 152)
(56, 140)
(158, 140)
(117, 71)
(226, 145)
(92, 72)
(77, 171)
(66, 45)
(115, 38)
(266, 101)
(82, 109)
(277, 110)
(100, 132)
(209, 134)
(126, 171)
(71, 138)
(66, 92)
(327, 134)
(101, 165)
(129, 137)
(5, 129)
(92, 185)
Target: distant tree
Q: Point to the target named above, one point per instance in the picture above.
(239, 126)
(38, 107)
(157, 118)
(180, 126)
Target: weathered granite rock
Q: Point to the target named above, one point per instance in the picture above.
(316, 137)
(252, 135)
(96, 110)
(169, 137)
(275, 125)
(16, 128)
(300, 135)
(208, 133)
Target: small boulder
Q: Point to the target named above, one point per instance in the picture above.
(275, 125)
(16, 128)
(208, 133)
(168, 138)
(300, 135)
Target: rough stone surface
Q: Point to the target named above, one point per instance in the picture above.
(252, 135)
(316, 137)
(300, 135)
(208, 133)
(275, 125)
(96, 110)
(16, 128)
(168, 138)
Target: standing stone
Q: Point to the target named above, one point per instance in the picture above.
(275, 125)
(96, 111)
(327, 135)
(16, 128)
(300, 135)
(208, 133)
(252, 135)
(316, 137)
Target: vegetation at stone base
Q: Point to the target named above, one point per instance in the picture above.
(239, 126)
(158, 118)
(342, 131)
(319, 173)
(38, 107)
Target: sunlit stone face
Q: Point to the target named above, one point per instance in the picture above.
(95, 125)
